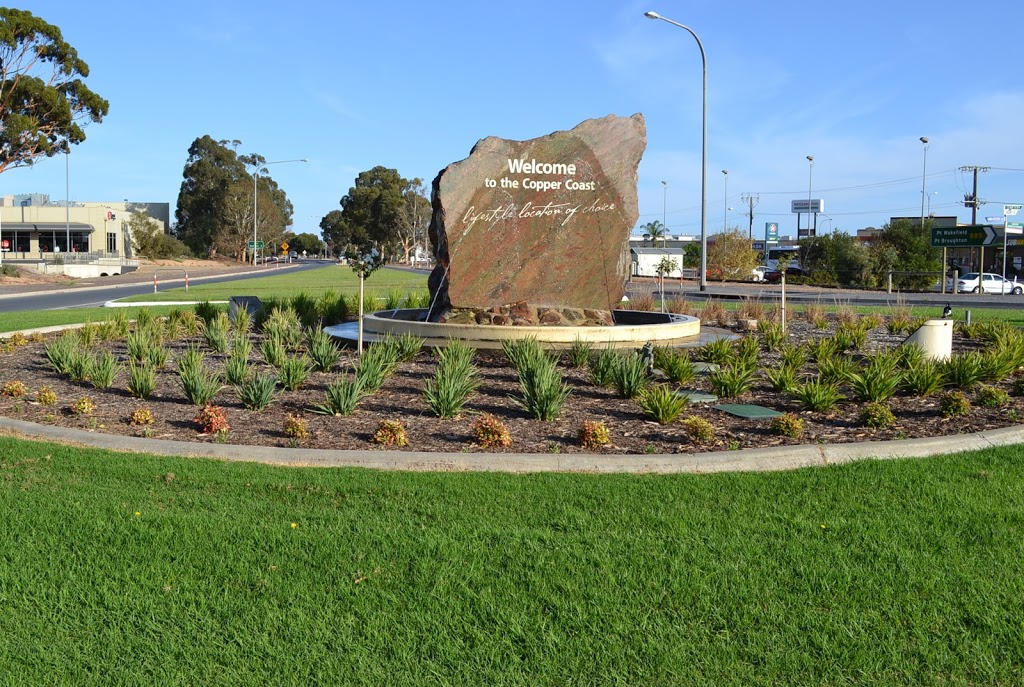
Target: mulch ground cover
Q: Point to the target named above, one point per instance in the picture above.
(402, 398)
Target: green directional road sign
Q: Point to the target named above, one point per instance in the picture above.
(970, 235)
(255, 244)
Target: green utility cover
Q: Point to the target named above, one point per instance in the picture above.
(750, 412)
(705, 368)
(697, 396)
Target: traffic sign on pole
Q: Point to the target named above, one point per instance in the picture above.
(969, 235)
(1011, 210)
(256, 244)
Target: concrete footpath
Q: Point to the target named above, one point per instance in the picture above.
(748, 460)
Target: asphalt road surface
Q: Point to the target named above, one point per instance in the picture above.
(96, 296)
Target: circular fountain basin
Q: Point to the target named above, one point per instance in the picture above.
(631, 328)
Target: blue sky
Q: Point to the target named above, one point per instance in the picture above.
(413, 85)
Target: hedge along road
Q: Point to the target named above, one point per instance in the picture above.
(95, 296)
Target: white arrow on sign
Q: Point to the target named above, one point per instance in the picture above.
(990, 235)
(1011, 210)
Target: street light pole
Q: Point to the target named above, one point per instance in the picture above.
(924, 175)
(704, 154)
(810, 178)
(664, 205)
(255, 196)
(725, 222)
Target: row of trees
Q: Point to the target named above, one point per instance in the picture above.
(836, 259)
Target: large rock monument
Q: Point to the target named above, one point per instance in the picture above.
(537, 232)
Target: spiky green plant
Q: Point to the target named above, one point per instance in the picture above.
(837, 369)
(729, 382)
(601, 367)
(455, 380)
(295, 371)
(630, 375)
(817, 395)
(793, 356)
(341, 397)
(876, 383)
(782, 378)
(60, 352)
(580, 352)
(322, 350)
(675, 364)
(923, 378)
(963, 370)
(141, 379)
(199, 384)
(542, 388)
(215, 332)
(103, 370)
(237, 369)
(258, 393)
(772, 335)
(522, 353)
(717, 351)
(662, 404)
(274, 351)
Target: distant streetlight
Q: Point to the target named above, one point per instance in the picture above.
(255, 195)
(928, 197)
(704, 154)
(664, 205)
(725, 201)
(810, 177)
(924, 175)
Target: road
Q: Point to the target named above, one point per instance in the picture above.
(96, 296)
(805, 294)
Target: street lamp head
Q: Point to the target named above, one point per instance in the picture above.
(725, 171)
(810, 158)
(924, 139)
(652, 15)
(664, 183)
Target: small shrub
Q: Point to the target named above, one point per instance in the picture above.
(794, 356)
(341, 397)
(18, 339)
(815, 394)
(729, 382)
(211, 419)
(141, 417)
(964, 370)
(699, 430)
(954, 404)
(876, 383)
(714, 311)
(580, 352)
(871, 321)
(407, 346)
(215, 332)
(274, 351)
(675, 364)
(662, 404)
(992, 397)
(14, 389)
(772, 335)
(717, 351)
(237, 370)
(788, 425)
(378, 363)
(141, 379)
(814, 313)
(594, 434)
(103, 369)
(83, 406)
(294, 372)
(490, 432)
(644, 300)
(295, 427)
(258, 392)
(822, 349)
(782, 378)
(390, 433)
(602, 367)
(523, 353)
(323, 351)
(877, 415)
(630, 375)
(923, 378)
(46, 396)
(198, 383)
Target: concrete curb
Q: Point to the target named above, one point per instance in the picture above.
(750, 460)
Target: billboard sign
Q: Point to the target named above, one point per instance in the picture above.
(771, 232)
(801, 206)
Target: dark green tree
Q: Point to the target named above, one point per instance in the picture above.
(904, 246)
(43, 100)
(835, 259)
(215, 203)
(149, 241)
(691, 255)
(307, 242)
(373, 216)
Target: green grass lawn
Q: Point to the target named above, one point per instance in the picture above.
(132, 569)
(288, 283)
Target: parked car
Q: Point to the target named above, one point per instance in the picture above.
(757, 274)
(991, 283)
(775, 276)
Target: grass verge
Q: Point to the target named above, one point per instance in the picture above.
(135, 569)
(287, 284)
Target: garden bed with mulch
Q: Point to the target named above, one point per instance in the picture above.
(402, 398)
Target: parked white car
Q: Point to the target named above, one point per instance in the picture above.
(991, 283)
(757, 274)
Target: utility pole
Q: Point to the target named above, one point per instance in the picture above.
(971, 201)
(751, 200)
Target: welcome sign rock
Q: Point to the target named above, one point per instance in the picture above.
(537, 231)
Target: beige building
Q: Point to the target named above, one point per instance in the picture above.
(34, 229)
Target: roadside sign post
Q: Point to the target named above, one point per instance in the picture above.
(1016, 228)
